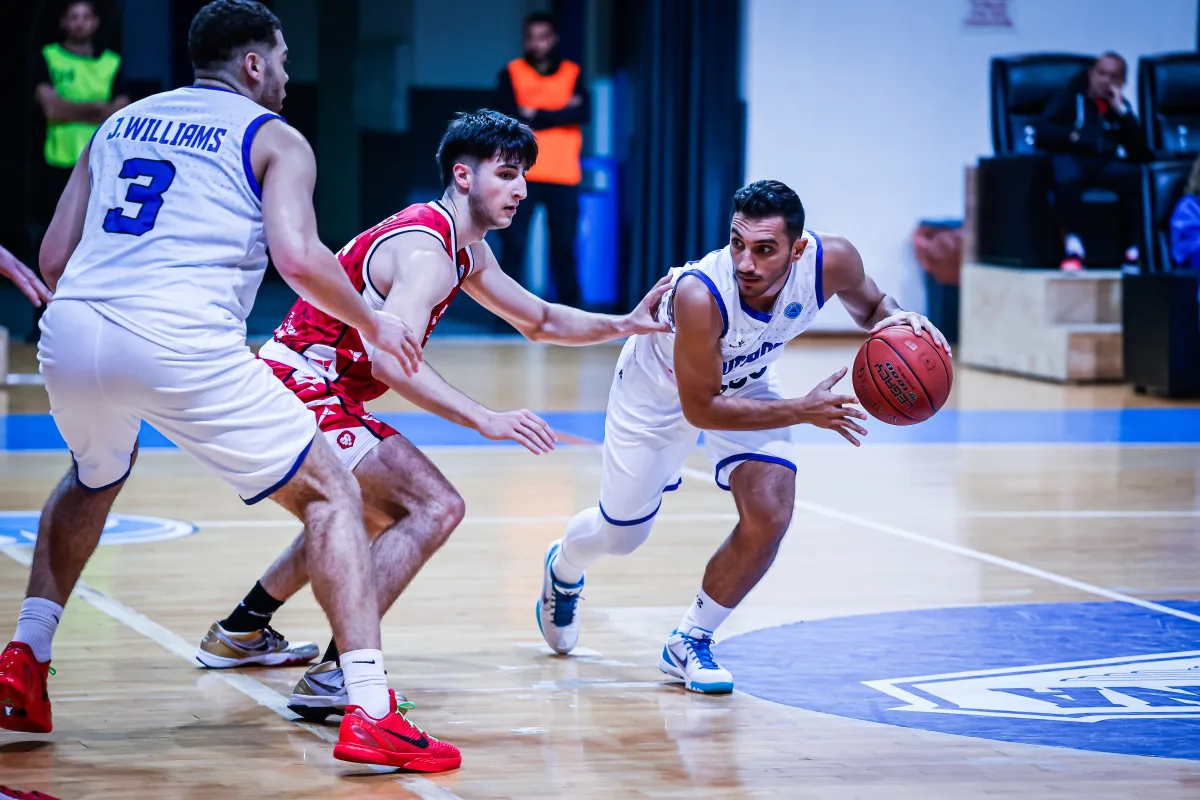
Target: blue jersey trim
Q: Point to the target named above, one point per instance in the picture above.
(673, 486)
(820, 269)
(627, 523)
(247, 140)
(106, 487)
(712, 287)
(290, 473)
(783, 462)
(753, 313)
(214, 89)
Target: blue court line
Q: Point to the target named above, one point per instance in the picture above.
(1149, 426)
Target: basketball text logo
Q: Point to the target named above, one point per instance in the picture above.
(896, 385)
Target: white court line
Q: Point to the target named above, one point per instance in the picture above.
(256, 691)
(291, 523)
(978, 555)
(1086, 514)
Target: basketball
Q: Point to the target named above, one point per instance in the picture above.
(900, 377)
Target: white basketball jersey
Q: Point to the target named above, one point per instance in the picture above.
(173, 247)
(750, 340)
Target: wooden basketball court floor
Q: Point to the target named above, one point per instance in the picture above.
(1004, 601)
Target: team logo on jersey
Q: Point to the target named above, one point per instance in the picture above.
(793, 310)
(345, 440)
(20, 528)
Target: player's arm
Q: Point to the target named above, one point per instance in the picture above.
(845, 276)
(698, 375)
(66, 228)
(25, 279)
(419, 275)
(540, 321)
(289, 172)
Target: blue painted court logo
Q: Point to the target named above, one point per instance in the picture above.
(793, 310)
(20, 528)
(1109, 677)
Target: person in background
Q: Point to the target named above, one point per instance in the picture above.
(1096, 141)
(25, 279)
(77, 88)
(544, 91)
(1185, 224)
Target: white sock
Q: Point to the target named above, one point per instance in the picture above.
(705, 613)
(585, 543)
(1073, 246)
(366, 683)
(36, 625)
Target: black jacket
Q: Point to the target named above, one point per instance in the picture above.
(1109, 135)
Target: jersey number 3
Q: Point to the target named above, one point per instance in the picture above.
(149, 195)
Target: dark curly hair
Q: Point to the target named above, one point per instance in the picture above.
(224, 29)
(771, 199)
(474, 137)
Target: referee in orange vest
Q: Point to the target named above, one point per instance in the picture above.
(544, 91)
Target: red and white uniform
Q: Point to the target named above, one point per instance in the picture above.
(327, 364)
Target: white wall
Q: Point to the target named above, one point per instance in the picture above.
(870, 109)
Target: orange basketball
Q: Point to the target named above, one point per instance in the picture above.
(902, 378)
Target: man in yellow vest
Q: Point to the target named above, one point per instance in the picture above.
(546, 92)
(77, 89)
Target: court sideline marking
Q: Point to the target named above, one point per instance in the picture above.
(260, 693)
(978, 555)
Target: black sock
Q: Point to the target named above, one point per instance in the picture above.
(252, 613)
(331, 652)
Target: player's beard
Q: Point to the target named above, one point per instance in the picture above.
(480, 215)
(273, 91)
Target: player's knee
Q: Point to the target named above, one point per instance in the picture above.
(447, 513)
(624, 539)
(766, 523)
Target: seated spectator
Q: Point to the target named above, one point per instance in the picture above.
(1185, 224)
(1096, 141)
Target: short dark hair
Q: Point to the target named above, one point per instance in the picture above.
(91, 3)
(223, 28)
(475, 136)
(1116, 57)
(771, 199)
(542, 17)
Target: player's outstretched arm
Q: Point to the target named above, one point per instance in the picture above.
(846, 277)
(540, 321)
(26, 279)
(66, 228)
(698, 375)
(289, 172)
(418, 275)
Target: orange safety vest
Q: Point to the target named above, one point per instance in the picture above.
(558, 148)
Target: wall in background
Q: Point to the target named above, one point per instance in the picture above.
(871, 109)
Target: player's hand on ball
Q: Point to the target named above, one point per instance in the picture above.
(644, 318)
(918, 322)
(831, 411)
(523, 427)
(392, 336)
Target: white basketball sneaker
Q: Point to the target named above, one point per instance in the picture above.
(557, 616)
(688, 656)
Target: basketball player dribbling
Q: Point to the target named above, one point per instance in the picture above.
(155, 254)
(412, 264)
(731, 313)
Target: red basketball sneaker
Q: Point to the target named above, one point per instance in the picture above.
(24, 701)
(392, 741)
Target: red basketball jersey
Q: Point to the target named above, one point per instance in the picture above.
(336, 348)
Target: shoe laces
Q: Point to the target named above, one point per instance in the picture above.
(702, 650)
(564, 605)
(405, 706)
(273, 637)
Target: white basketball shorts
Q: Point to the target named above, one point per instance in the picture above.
(647, 441)
(224, 409)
